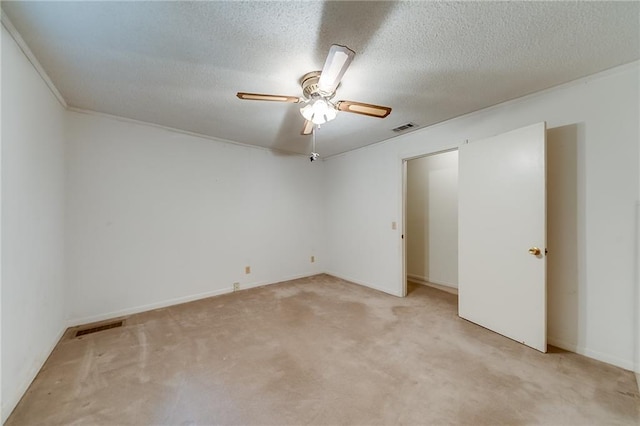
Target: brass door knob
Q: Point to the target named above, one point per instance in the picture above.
(535, 251)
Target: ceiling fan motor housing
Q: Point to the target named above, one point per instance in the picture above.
(318, 91)
(310, 89)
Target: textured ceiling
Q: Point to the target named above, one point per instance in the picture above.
(180, 64)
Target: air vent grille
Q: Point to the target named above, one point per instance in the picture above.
(99, 328)
(404, 127)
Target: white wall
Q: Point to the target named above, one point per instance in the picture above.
(155, 217)
(637, 311)
(601, 112)
(33, 279)
(2, 415)
(147, 208)
(637, 369)
(432, 219)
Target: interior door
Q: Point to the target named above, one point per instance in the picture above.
(502, 234)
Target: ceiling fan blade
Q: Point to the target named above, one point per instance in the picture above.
(364, 109)
(335, 66)
(307, 128)
(262, 97)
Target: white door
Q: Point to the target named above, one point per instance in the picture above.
(502, 221)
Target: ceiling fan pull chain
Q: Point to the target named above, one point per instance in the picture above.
(314, 155)
(315, 129)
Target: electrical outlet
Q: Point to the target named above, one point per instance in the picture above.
(313, 259)
(247, 269)
(394, 226)
(236, 286)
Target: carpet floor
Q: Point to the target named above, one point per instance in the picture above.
(319, 351)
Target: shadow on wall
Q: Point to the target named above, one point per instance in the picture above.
(432, 218)
(417, 212)
(564, 148)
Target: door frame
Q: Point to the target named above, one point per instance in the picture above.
(404, 159)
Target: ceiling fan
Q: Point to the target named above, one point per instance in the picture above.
(318, 90)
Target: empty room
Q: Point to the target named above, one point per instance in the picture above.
(320, 212)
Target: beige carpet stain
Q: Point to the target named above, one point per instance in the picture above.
(319, 351)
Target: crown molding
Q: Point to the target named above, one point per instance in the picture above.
(31, 57)
(120, 118)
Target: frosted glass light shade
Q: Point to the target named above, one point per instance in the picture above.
(318, 111)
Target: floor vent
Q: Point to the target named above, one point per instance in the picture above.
(404, 127)
(99, 328)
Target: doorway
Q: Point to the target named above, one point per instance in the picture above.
(431, 221)
(501, 251)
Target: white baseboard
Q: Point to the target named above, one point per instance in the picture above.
(449, 288)
(609, 359)
(364, 284)
(281, 280)
(143, 308)
(590, 353)
(571, 347)
(9, 402)
(175, 301)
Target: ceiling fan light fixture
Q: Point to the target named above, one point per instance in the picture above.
(318, 90)
(319, 111)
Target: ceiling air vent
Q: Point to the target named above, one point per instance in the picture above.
(102, 327)
(404, 127)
